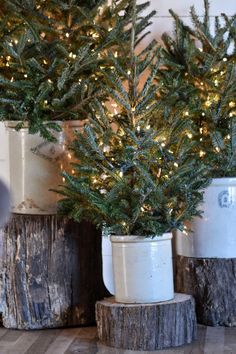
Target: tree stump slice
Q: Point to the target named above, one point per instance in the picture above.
(212, 282)
(147, 326)
(52, 272)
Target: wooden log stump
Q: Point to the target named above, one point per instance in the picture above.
(212, 282)
(147, 326)
(52, 272)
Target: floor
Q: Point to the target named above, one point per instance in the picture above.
(218, 340)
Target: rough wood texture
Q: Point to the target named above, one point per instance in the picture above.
(52, 273)
(147, 326)
(212, 282)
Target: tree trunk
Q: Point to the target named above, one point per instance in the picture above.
(52, 273)
(147, 326)
(212, 282)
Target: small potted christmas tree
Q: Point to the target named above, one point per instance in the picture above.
(50, 68)
(138, 182)
(198, 81)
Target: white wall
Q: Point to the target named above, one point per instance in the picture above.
(163, 21)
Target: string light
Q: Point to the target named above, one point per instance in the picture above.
(186, 113)
(67, 35)
(121, 174)
(217, 149)
(225, 59)
(189, 135)
(231, 104)
(202, 153)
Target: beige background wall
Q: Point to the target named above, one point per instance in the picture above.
(162, 22)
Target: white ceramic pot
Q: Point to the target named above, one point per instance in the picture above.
(4, 154)
(107, 269)
(142, 268)
(214, 235)
(34, 169)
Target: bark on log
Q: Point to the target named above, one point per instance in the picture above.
(52, 272)
(147, 326)
(212, 282)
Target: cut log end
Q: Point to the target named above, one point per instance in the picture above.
(147, 326)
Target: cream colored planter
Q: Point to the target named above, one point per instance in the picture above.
(4, 154)
(34, 169)
(107, 267)
(142, 268)
(214, 235)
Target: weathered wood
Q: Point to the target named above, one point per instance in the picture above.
(147, 326)
(212, 282)
(52, 273)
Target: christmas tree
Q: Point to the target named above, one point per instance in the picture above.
(53, 54)
(131, 177)
(198, 81)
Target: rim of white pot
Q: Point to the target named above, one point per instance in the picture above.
(11, 124)
(222, 181)
(74, 123)
(135, 238)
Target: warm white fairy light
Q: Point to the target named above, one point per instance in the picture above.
(231, 104)
(67, 35)
(95, 35)
(121, 174)
(50, 81)
(69, 156)
(163, 144)
(129, 72)
(216, 82)
(189, 135)
(45, 61)
(225, 59)
(217, 149)
(25, 75)
(175, 164)
(186, 113)
(202, 153)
